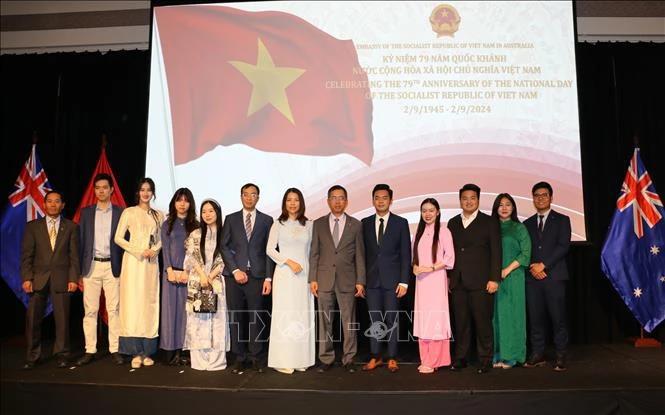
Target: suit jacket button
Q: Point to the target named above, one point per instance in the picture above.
(334, 265)
(462, 249)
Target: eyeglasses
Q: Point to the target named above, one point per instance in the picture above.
(541, 195)
(250, 195)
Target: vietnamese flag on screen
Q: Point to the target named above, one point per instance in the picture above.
(269, 80)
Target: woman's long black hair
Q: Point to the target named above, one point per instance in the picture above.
(421, 229)
(190, 221)
(301, 211)
(204, 230)
(497, 202)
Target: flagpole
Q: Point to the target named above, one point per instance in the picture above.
(636, 141)
(643, 342)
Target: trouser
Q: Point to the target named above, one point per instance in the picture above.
(245, 307)
(383, 310)
(100, 277)
(35, 316)
(347, 310)
(546, 299)
(476, 305)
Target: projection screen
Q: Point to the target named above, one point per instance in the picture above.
(423, 96)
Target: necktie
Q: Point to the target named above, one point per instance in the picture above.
(248, 225)
(53, 234)
(540, 223)
(335, 234)
(378, 239)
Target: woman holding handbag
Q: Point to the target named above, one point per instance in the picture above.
(180, 222)
(207, 324)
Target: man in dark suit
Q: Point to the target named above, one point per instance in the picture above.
(248, 271)
(546, 283)
(101, 259)
(337, 275)
(49, 266)
(388, 265)
(475, 278)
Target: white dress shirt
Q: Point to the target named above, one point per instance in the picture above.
(467, 221)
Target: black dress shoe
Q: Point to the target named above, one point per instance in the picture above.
(323, 367)
(61, 362)
(257, 367)
(457, 365)
(85, 359)
(184, 361)
(29, 365)
(350, 367)
(484, 368)
(238, 368)
(173, 361)
(534, 361)
(560, 365)
(117, 358)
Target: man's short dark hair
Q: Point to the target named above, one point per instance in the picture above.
(470, 186)
(103, 176)
(57, 192)
(247, 185)
(337, 187)
(383, 186)
(542, 185)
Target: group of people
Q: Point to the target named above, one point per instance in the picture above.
(480, 273)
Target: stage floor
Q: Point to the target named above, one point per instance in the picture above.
(601, 376)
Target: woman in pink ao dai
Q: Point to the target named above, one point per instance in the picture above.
(433, 254)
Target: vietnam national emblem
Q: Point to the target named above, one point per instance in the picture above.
(445, 20)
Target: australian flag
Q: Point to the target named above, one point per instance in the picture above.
(25, 204)
(633, 256)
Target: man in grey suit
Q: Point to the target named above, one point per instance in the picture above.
(337, 274)
(101, 260)
(49, 266)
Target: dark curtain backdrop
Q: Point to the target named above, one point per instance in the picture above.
(71, 99)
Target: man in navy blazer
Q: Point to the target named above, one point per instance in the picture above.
(248, 271)
(101, 259)
(546, 283)
(388, 267)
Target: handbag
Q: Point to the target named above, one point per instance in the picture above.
(205, 301)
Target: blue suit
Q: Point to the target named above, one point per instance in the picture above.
(245, 302)
(87, 239)
(546, 298)
(387, 265)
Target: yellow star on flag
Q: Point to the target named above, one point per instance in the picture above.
(269, 82)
